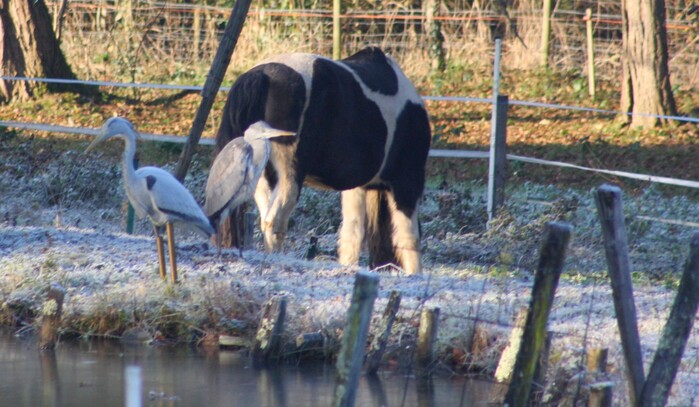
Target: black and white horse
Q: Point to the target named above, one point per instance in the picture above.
(361, 128)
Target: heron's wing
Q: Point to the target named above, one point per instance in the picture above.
(228, 184)
(171, 201)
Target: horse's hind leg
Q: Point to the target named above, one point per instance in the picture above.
(406, 235)
(353, 226)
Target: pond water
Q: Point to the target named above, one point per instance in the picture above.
(92, 373)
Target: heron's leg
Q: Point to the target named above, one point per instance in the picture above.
(171, 250)
(161, 252)
(352, 229)
(218, 241)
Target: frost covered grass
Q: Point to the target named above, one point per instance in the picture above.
(62, 220)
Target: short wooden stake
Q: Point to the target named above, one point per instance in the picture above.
(426, 337)
(268, 339)
(378, 345)
(678, 327)
(351, 357)
(309, 341)
(610, 209)
(551, 259)
(51, 317)
(597, 360)
(172, 251)
(506, 365)
(600, 394)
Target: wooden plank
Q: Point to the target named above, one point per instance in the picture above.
(551, 259)
(378, 345)
(675, 334)
(351, 356)
(610, 209)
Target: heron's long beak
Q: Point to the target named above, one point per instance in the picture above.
(101, 136)
(272, 133)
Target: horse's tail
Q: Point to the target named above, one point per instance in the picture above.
(379, 229)
(244, 106)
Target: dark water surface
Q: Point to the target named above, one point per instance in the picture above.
(90, 373)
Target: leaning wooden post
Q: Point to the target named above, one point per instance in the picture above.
(675, 333)
(590, 53)
(213, 83)
(378, 345)
(351, 357)
(610, 209)
(51, 317)
(426, 338)
(551, 258)
(268, 339)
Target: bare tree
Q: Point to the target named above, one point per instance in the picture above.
(28, 47)
(645, 87)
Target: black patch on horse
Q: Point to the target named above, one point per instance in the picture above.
(372, 67)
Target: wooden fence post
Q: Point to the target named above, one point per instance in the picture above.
(545, 34)
(551, 259)
(497, 168)
(51, 317)
(427, 336)
(590, 53)
(610, 209)
(337, 29)
(378, 345)
(675, 333)
(351, 357)
(268, 339)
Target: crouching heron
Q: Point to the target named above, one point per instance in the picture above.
(235, 171)
(155, 193)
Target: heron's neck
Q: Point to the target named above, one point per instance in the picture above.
(128, 165)
(260, 154)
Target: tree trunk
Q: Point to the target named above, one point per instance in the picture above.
(28, 47)
(645, 86)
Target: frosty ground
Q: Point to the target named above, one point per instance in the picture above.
(65, 224)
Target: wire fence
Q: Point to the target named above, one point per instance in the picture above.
(185, 32)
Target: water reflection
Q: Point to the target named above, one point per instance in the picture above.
(92, 373)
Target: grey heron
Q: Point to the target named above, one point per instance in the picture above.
(235, 172)
(155, 193)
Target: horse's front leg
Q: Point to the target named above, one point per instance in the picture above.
(283, 199)
(353, 226)
(263, 199)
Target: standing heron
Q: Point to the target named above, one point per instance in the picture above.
(155, 193)
(235, 171)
